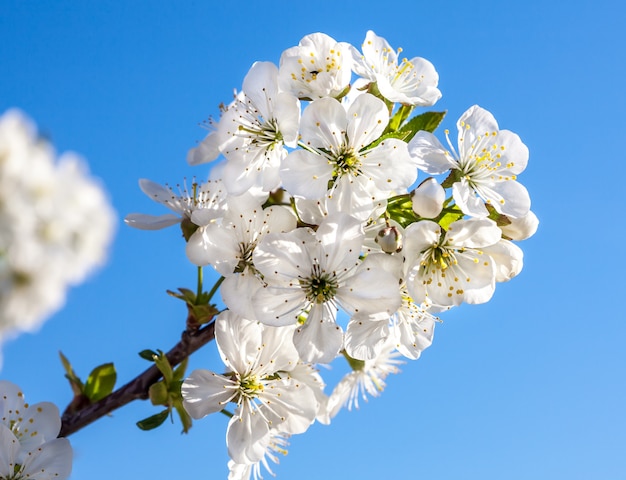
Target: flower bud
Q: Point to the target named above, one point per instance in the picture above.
(428, 198)
(521, 228)
(389, 239)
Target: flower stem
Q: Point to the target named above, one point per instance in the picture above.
(199, 286)
(215, 287)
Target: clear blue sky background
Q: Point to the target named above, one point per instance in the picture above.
(531, 385)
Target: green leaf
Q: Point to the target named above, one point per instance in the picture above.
(204, 313)
(179, 372)
(449, 215)
(185, 295)
(185, 419)
(399, 117)
(154, 421)
(427, 121)
(75, 382)
(163, 364)
(148, 355)
(100, 382)
(400, 209)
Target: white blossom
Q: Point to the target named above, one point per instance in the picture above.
(318, 67)
(228, 247)
(448, 268)
(255, 130)
(410, 82)
(338, 153)
(274, 443)
(29, 447)
(367, 378)
(487, 164)
(204, 203)
(258, 360)
(310, 274)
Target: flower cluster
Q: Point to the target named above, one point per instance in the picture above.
(55, 225)
(29, 445)
(340, 225)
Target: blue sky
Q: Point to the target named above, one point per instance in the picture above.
(530, 385)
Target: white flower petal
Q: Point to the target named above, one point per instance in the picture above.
(320, 338)
(144, 221)
(365, 338)
(247, 436)
(205, 392)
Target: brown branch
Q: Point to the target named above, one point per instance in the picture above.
(136, 389)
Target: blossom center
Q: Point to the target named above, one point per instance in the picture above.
(346, 163)
(440, 257)
(250, 387)
(321, 287)
(263, 134)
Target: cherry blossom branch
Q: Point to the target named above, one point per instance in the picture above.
(137, 389)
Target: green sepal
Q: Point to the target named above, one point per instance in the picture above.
(453, 177)
(154, 421)
(100, 382)
(355, 364)
(198, 305)
(344, 92)
(500, 219)
(188, 228)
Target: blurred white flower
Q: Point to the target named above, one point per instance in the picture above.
(56, 225)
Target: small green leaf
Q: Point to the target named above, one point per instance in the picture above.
(185, 295)
(179, 372)
(204, 313)
(163, 364)
(148, 355)
(75, 382)
(185, 419)
(449, 215)
(154, 421)
(428, 121)
(399, 117)
(100, 382)
(400, 209)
